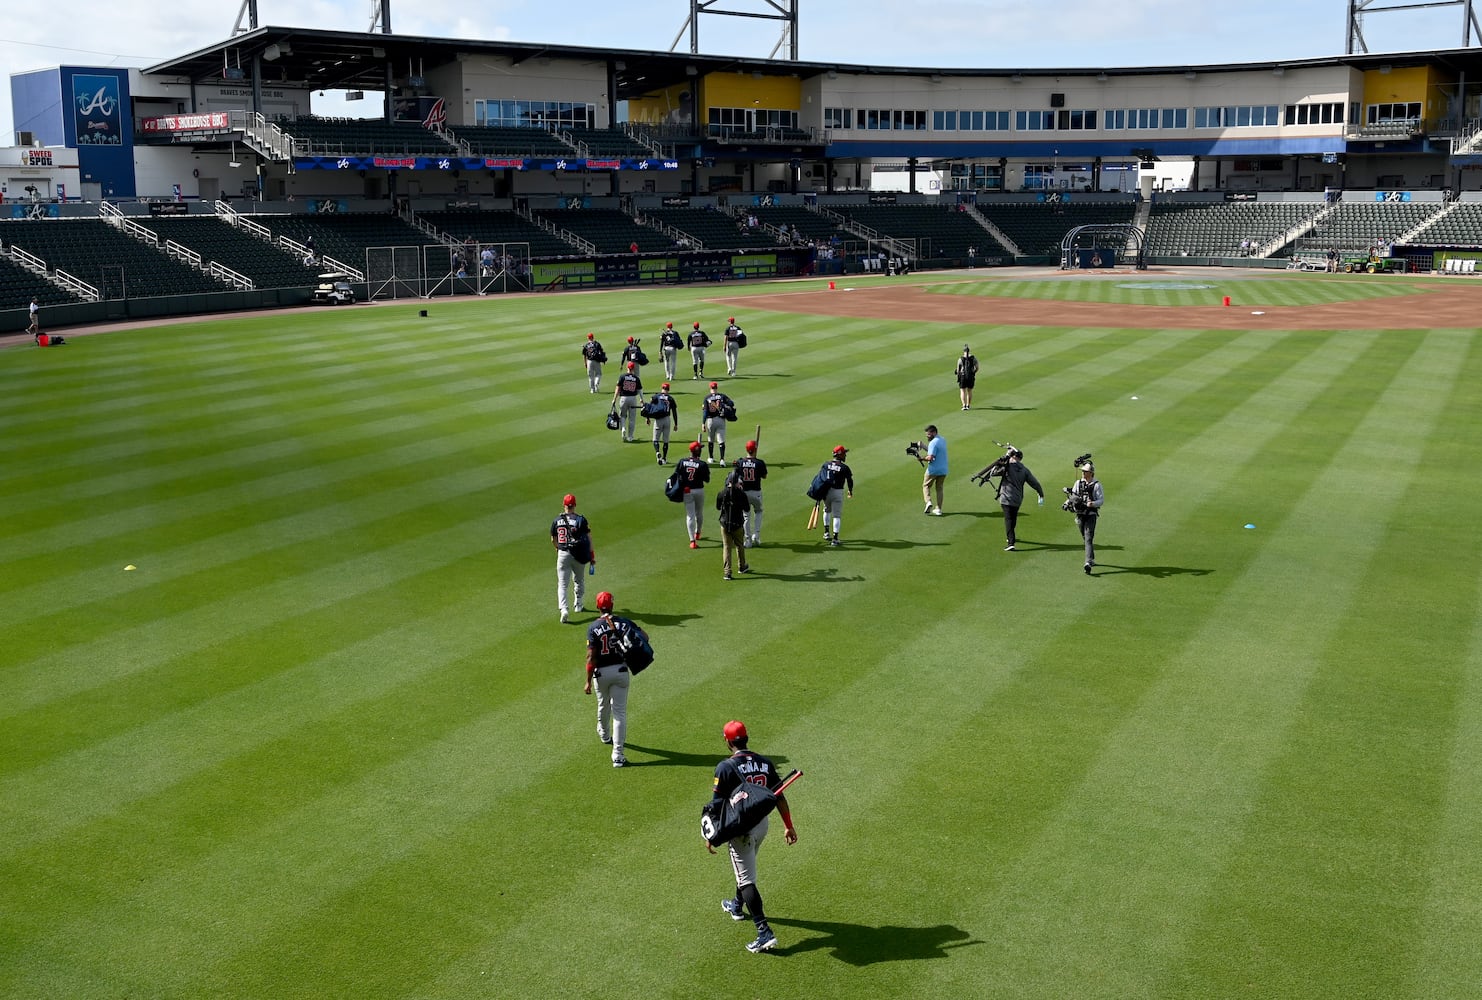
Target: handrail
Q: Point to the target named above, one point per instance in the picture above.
(255, 228)
(28, 260)
(183, 252)
(77, 285)
(339, 265)
(234, 278)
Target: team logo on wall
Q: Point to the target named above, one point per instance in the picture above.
(97, 110)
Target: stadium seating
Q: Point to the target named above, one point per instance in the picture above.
(1461, 227)
(489, 140)
(939, 232)
(359, 136)
(498, 227)
(18, 286)
(346, 237)
(112, 261)
(813, 226)
(712, 229)
(610, 230)
(1359, 225)
(266, 265)
(1038, 228)
(1216, 229)
(609, 143)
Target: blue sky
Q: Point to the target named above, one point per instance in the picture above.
(937, 34)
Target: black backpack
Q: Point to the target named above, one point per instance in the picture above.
(654, 409)
(633, 643)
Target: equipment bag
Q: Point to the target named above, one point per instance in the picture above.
(581, 549)
(728, 410)
(612, 419)
(674, 488)
(822, 483)
(743, 809)
(741, 339)
(654, 409)
(633, 643)
(640, 357)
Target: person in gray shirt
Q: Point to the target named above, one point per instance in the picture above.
(1011, 492)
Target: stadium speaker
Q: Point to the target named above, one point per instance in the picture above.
(1057, 100)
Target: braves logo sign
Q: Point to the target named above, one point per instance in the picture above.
(96, 110)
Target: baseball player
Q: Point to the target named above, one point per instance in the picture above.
(627, 398)
(747, 765)
(605, 665)
(572, 537)
(662, 424)
(751, 470)
(713, 420)
(669, 345)
(594, 355)
(632, 352)
(694, 474)
(733, 345)
(699, 340)
(841, 483)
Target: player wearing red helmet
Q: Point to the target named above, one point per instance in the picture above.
(665, 418)
(699, 340)
(605, 665)
(572, 537)
(841, 483)
(744, 765)
(626, 400)
(715, 411)
(693, 473)
(593, 357)
(735, 340)
(751, 470)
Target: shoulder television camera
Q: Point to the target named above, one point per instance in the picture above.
(995, 469)
(917, 450)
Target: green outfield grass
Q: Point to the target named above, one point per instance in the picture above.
(327, 739)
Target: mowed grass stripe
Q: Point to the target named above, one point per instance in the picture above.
(1169, 762)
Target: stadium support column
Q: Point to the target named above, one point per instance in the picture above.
(911, 174)
(1194, 177)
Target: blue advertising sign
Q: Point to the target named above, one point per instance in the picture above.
(476, 163)
(1391, 195)
(97, 110)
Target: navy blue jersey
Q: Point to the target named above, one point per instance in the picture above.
(568, 529)
(699, 339)
(715, 405)
(733, 332)
(751, 471)
(744, 765)
(693, 473)
(629, 384)
(602, 636)
(592, 350)
(670, 339)
(839, 475)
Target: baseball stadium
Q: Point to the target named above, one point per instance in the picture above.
(288, 706)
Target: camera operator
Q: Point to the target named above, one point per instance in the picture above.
(1011, 492)
(936, 469)
(1085, 499)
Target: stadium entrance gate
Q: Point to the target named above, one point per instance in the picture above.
(1103, 245)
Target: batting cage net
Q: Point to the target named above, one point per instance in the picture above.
(441, 269)
(393, 272)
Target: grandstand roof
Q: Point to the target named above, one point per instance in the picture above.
(343, 60)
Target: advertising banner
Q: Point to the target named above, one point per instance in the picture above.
(97, 110)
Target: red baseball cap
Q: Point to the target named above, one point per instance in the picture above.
(715, 385)
(669, 325)
(697, 326)
(735, 729)
(631, 365)
(839, 449)
(590, 336)
(732, 319)
(664, 386)
(694, 447)
(604, 601)
(751, 447)
(569, 500)
(630, 340)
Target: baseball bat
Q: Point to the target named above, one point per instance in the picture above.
(758, 437)
(792, 776)
(813, 518)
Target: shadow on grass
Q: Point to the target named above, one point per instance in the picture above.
(824, 574)
(647, 620)
(1004, 409)
(893, 543)
(861, 944)
(1156, 572)
(677, 758)
(1023, 545)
